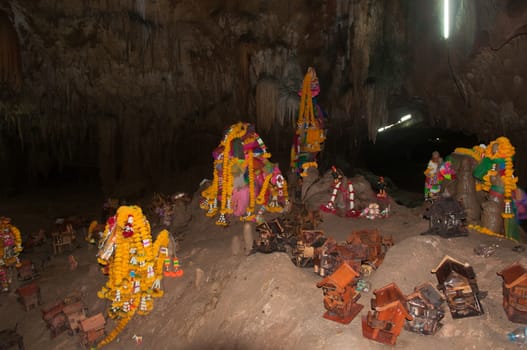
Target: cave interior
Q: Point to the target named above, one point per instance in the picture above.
(132, 95)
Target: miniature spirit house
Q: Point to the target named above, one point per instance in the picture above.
(457, 281)
(515, 292)
(372, 244)
(340, 297)
(304, 250)
(389, 314)
(270, 237)
(425, 305)
(447, 218)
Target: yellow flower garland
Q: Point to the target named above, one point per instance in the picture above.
(306, 166)
(502, 148)
(229, 164)
(485, 230)
(135, 266)
(261, 196)
(238, 130)
(475, 152)
(252, 195)
(5, 223)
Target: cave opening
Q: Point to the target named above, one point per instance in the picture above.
(401, 154)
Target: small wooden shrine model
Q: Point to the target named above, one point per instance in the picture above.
(331, 255)
(375, 245)
(271, 237)
(457, 281)
(425, 305)
(364, 248)
(340, 296)
(304, 251)
(515, 292)
(91, 330)
(447, 218)
(386, 321)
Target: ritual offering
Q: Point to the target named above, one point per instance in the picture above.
(493, 173)
(310, 134)
(134, 264)
(245, 183)
(10, 248)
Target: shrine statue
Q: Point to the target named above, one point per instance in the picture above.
(432, 182)
(10, 248)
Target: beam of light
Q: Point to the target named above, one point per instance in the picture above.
(402, 120)
(446, 18)
(406, 117)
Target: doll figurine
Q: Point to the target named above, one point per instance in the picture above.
(432, 183)
(381, 185)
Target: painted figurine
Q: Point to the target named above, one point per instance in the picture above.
(432, 183)
(381, 185)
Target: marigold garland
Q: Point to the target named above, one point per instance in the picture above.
(9, 237)
(476, 152)
(252, 195)
(309, 135)
(485, 231)
(501, 148)
(263, 191)
(229, 160)
(134, 266)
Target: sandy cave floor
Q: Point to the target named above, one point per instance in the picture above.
(255, 302)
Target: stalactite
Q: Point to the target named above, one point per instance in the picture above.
(287, 108)
(267, 95)
(10, 61)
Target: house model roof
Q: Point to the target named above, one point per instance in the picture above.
(389, 297)
(343, 276)
(445, 206)
(448, 265)
(513, 275)
(428, 293)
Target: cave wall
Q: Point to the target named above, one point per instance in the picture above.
(474, 81)
(138, 91)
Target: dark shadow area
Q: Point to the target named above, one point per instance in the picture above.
(402, 154)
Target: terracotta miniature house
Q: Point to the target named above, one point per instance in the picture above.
(91, 330)
(447, 218)
(29, 296)
(515, 292)
(457, 281)
(425, 305)
(385, 322)
(54, 317)
(340, 297)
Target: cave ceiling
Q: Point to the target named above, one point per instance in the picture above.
(123, 86)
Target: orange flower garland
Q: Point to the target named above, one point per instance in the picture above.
(228, 164)
(502, 148)
(250, 209)
(133, 261)
(484, 230)
(261, 196)
(476, 152)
